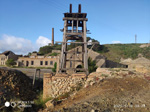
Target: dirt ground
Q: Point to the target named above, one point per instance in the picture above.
(128, 94)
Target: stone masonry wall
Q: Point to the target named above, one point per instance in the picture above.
(53, 86)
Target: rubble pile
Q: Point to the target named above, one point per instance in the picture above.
(15, 85)
(127, 93)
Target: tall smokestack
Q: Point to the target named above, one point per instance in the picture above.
(70, 8)
(52, 36)
(79, 8)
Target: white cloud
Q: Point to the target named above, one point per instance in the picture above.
(16, 44)
(116, 42)
(21, 45)
(42, 41)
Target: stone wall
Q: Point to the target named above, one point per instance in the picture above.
(111, 64)
(54, 86)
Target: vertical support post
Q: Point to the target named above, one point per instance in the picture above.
(65, 54)
(77, 27)
(85, 47)
(61, 65)
(34, 76)
(72, 26)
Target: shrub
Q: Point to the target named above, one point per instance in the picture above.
(55, 67)
(53, 54)
(91, 65)
(39, 102)
(79, 86)
(10, 62)
(104, 75)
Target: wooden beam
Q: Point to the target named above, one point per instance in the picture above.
(74, 60)
(80, 19)
(79, 42)
(85, 48)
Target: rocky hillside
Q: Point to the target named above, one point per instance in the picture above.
(115, 52)
(109, 90)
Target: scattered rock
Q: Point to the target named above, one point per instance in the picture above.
(50, 104)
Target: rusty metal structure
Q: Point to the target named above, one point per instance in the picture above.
(75, 31)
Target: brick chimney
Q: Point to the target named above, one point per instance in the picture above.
(52, 36)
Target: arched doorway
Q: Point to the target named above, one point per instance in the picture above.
(79, 66)
(27, 63)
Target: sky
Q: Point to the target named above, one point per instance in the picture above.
(26, 25)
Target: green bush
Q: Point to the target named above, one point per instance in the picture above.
(45, 50)
(53, 54)
(91, 65)
(55, 67)
(39, 102)
(48, 49)
(10, 62)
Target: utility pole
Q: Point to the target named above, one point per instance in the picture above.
(135, 38)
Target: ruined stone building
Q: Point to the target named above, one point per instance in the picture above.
(7, 55)
(36, 60)
(100, 60)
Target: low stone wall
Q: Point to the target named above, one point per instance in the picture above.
(53, 86)
(111, 64)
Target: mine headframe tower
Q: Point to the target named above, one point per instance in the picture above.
(74, 29)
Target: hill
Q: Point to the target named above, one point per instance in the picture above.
(115, 52)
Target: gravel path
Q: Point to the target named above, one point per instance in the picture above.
(30, 71)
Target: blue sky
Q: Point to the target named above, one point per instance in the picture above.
(25, 25)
